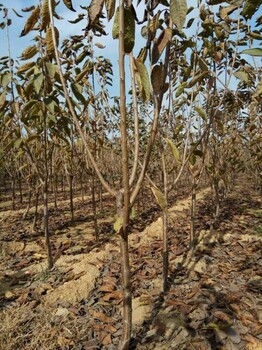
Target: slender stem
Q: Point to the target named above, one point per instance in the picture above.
(136, 121)
(127, 301)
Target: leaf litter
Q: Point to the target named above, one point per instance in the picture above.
(214, 299)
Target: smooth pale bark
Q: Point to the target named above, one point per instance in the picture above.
(46, 225)
(13, 192)
(193, 213)
(28, 203)
(123, 197)
(93, 193)
(71, 195)
(165, 230)
(36, 209)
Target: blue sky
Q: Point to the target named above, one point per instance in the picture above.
(18, 44)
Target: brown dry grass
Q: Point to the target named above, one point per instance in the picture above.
(24, 328)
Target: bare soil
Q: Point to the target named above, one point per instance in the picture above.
(214, 299)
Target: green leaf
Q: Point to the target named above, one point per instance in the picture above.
(50, 104)
(201, 112)
(30, 104)
(133, 214)
(202, 64)
(38, 81)
(225, 11)
(259, 89)
(242, 75)
(160, 198)
(178, 12)
(6, 79)
(18, 142)
(250, 8)
(181, 89)
(51, 69)
(115, 30)
(129, 30)
(198, 78)
(252, 52)
(161, 44)
(118, 224)
(142, 79)
(2, 99)
(76, 88)
(142, 54)
(82, 74)
(174, 149)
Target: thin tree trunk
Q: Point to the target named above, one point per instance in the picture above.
(55, 191)
(93, 190)
(165, 231)
(13, 192)
(193, 213)
(101, 198)
(46, 226)
(20, 188)
(124, 197)
(70, 181)
(81, 187)
(36, 209)
(28, 204)
(127, 300)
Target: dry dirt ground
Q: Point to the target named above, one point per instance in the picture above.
(214, 300)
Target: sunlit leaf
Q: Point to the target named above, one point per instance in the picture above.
(160, 198)
(6, 79)
(142, 80)
(29, 52)
(178, 12)
(174, 149)
(51, 69)
(242, 75)
(45, 17)
(50, 48)
(110, 8)
(198, 78)
(2, 99)
(31, 21)
(201, 112)
(25, 67)
(181, 89)
(225, 11)
(142, 54)
(252, 52)
(258, 89)
(38, 81)
(99, 45)
(129, 30)
(118, 224)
